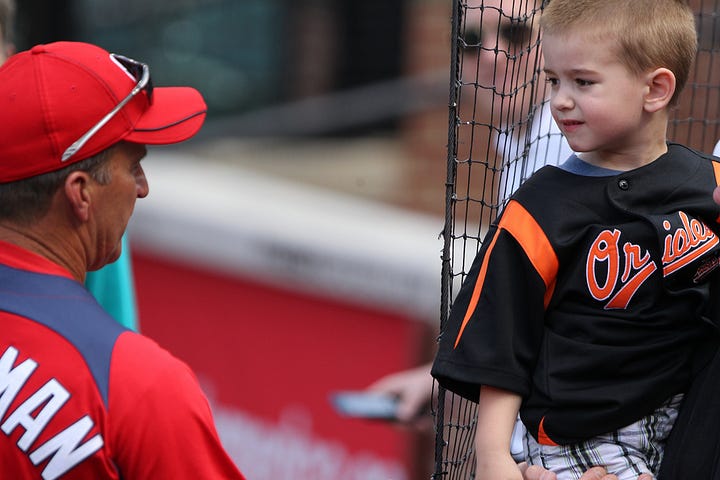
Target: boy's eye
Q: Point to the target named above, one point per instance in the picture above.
(583, 83)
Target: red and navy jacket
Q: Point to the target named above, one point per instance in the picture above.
(81, 397)
(590, 296)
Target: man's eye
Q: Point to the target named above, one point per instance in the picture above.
(471, 38)
(516, 33)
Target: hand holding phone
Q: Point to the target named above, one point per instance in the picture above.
(363, 404)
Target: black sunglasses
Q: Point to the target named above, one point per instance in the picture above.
(141, 73)
(516, 33)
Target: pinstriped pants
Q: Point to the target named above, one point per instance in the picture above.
(627, 452)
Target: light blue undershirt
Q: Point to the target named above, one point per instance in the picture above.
(576, 165)
(113, 287)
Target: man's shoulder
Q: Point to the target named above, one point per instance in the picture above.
(147, 381)
(143, 357)
(139, 363)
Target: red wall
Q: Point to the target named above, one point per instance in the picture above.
(269, 357)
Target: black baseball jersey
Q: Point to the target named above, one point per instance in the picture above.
(589, 296)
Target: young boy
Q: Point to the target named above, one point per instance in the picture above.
(588, 299)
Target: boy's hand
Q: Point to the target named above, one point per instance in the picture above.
(536, 472)
(499, 467)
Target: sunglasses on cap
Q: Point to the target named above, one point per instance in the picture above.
(141, 73)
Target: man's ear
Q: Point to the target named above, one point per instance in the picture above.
(660, 89)
(77, 193)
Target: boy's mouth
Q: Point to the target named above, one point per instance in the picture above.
(570, 125)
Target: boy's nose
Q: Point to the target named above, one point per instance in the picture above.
(560, 100)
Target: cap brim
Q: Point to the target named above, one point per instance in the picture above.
(176, 114)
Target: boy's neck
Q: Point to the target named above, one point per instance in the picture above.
(625, 160)
(651, 146)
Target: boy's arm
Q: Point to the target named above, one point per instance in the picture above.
(497, 412)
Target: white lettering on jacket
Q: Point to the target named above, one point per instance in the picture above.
(34, 414)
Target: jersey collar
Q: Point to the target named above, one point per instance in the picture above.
(20, 258)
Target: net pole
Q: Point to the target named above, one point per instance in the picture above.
(446, 273)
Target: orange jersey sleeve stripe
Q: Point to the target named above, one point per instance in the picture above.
(716, 169)
(523, 227)
(476, 291)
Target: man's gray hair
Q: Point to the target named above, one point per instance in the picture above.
(26, 201)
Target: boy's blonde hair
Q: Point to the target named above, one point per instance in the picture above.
(650, 33)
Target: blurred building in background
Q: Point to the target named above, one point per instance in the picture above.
(297, 70)
(292, 248)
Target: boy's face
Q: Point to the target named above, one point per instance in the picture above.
(595, 100)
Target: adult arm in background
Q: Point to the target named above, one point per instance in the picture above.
(413, 389)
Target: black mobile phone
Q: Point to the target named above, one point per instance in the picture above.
(361, 404)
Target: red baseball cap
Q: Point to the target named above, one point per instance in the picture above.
(72, 93)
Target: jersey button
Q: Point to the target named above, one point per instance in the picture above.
(623, 184)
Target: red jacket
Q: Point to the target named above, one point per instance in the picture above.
(81, 397)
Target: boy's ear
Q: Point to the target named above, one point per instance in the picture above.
(661, 88)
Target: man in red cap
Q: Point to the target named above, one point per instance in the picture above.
(80, 396)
